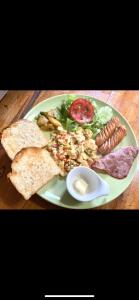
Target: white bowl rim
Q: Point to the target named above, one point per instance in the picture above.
(79, 198)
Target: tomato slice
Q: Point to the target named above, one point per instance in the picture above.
(81, 110)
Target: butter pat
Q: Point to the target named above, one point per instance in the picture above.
(81, 186)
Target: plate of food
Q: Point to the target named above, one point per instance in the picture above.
(65, 132)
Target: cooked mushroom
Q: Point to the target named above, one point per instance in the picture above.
(50, 126)
(42, 120)
(44, 123)
(50, 113)
(44, 113)
(54, 121)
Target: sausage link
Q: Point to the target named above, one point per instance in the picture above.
(113, 141)
(107, 131)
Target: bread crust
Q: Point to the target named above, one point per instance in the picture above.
(32, 168)
(22, 134)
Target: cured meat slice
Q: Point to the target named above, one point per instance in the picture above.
(117, 164)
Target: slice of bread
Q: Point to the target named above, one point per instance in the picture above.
(32, 168)
(22, 134)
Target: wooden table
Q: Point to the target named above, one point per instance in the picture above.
(16, 104)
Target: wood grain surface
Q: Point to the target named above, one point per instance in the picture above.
(16, 104)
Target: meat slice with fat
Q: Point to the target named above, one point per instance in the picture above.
(117, 164)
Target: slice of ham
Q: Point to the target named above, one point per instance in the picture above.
(117, 164)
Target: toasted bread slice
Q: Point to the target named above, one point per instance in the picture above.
(22, 134)
(32, 168)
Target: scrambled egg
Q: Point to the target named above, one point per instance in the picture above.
(72, 149)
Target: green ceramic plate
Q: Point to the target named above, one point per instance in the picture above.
(55, 192)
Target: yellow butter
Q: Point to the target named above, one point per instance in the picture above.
(81, 186)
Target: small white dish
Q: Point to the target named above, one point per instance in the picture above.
(96, 185)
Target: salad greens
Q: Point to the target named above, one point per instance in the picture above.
(101, 117)
(63, 117)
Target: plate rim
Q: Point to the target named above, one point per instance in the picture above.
(38, 104)
(117, 111)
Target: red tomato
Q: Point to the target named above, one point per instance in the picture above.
(81, 110)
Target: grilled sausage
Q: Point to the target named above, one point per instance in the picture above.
(113, 141)
(107, 131)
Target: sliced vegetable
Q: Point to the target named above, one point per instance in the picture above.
(101, 117)
(70, 115)
(81, 110)
(104, 114)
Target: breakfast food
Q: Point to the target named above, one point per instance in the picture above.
(80, 131)
(81, 186)
(81, 110)
(113, 141)
(32, 168)
(107, 131)
(74, 113)
(72, 149)
(22, 134)
(117, 164)
(47, 120)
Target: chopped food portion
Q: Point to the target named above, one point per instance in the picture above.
(74, 113)
(47, 120)
(117, 164)
(43, 123)
(50, 113)
(81, 110)
(113, 141)
(71, 149)
(82, 131)
(81, 186)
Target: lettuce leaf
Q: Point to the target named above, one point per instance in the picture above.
(101, 117)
